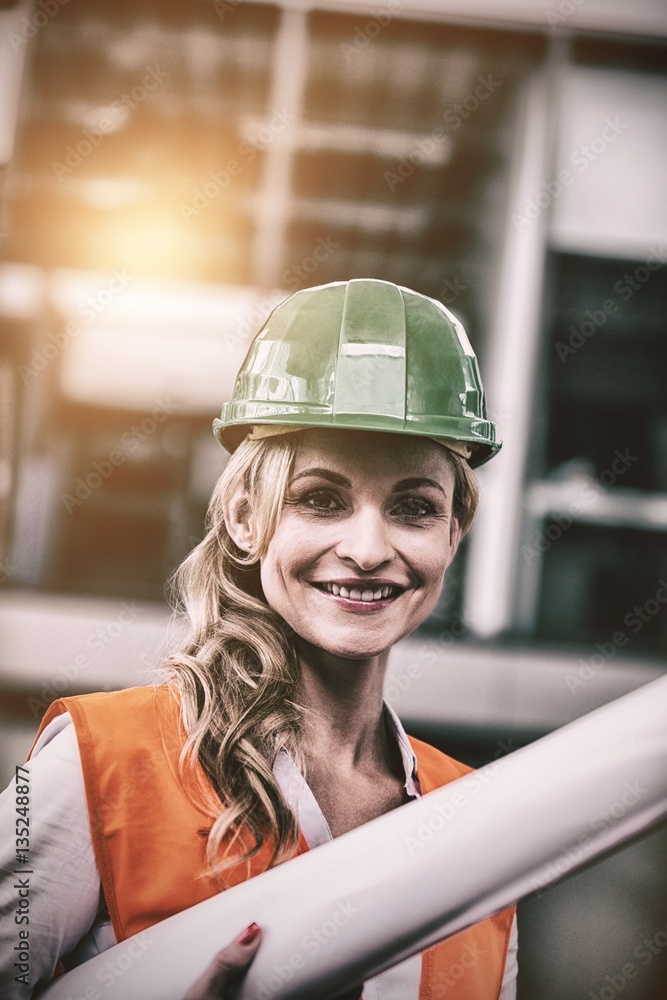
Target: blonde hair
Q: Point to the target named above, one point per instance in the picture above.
(236, 676)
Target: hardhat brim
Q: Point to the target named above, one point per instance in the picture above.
(230, 433)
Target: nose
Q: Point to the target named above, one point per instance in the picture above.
(366, 540)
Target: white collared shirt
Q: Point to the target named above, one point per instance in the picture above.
(69, 918)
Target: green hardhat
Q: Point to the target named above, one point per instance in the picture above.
(362, 355)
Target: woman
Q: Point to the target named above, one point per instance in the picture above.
(355, 421)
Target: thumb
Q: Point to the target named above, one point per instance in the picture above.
(237, 956)
(228, 964)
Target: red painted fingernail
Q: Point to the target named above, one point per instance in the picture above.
(249, 934)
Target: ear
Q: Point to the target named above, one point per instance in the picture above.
(455, 536)
(238, 520)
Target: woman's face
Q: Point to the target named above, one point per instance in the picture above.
(361, 547)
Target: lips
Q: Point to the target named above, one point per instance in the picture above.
(366, 592)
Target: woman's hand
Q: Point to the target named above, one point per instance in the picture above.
(231, 962)
(227, 966)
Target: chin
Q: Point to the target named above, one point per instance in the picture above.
(354, 647)
(354, 652)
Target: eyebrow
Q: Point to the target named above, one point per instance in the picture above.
(335, 477)
(415, 483)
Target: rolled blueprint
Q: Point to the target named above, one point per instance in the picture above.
(344, 912)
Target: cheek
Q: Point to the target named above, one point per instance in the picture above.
(430, 558)
(286, 556)
(271, 574)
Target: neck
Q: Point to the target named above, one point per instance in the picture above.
(342, 701)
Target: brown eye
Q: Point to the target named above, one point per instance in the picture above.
(322, 500)
(414, 508)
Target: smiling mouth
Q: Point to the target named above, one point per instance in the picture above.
(367, 595)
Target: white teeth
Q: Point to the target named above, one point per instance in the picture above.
(357, 594)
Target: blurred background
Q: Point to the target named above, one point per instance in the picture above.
(169, 171)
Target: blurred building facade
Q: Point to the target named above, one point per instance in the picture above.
(170, 170)
(178, 167)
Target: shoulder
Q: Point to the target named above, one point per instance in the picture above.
(434, 767)
(127, 721)
(134, 699)
(130, 707)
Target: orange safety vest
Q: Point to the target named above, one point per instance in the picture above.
(150, 838)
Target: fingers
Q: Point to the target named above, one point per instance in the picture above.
(236, 957)
(230, 962)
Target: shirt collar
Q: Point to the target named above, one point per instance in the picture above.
(301, 800)
(407, 753)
